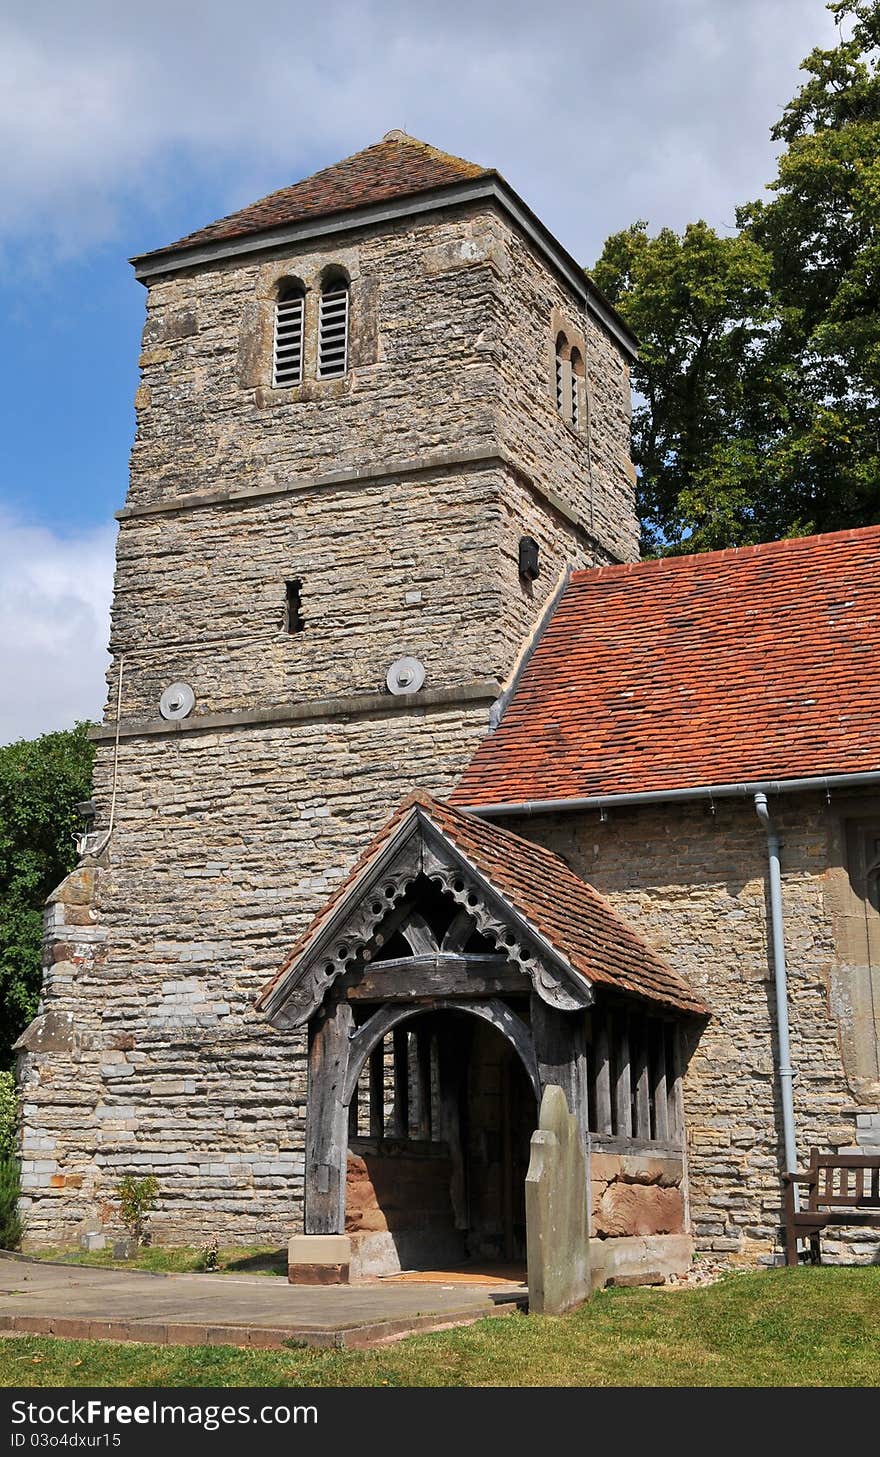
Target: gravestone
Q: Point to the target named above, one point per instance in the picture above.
(557, 1244)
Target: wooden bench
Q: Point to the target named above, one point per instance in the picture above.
(841, 1188)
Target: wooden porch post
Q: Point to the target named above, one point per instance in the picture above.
(561, 1052)
(400, 1116)
(377, 1090)
(327, 1120)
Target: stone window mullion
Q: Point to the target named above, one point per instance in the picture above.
(310, 335)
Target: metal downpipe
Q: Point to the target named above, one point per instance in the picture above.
(786, 1072)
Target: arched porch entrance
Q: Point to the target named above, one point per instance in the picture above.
(427, 1059)
(455, 975)
(440, 1116)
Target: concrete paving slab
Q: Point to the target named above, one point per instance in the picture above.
(84, 1303)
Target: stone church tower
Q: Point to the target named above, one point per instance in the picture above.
(381, 411)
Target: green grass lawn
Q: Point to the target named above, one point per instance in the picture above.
(805, 1327)
(241, 1260)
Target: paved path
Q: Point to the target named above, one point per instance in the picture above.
(80, 1302)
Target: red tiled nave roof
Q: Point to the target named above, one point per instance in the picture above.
(756, 663)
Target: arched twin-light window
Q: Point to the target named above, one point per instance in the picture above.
(571, 396)
(291, 331)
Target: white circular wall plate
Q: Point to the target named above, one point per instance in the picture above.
(405, 676)
(177, 701)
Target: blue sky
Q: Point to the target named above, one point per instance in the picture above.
(122, 129)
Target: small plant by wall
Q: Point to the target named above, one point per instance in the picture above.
(211, 1255)
(136, 1199)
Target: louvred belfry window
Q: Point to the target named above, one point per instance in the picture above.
(577, 370)
(333, 331)
(288, 354)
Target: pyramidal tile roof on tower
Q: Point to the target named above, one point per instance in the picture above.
(400, 174)
(397, 166)
(756, 664)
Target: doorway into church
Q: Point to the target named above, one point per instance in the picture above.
(439, 1133)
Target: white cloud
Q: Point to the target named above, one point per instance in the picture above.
(598, 113)
(54, 624)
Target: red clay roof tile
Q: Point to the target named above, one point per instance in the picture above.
(757, 663)
(575, 919)
(398, 166)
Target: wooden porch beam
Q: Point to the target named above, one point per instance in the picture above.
(441, 975)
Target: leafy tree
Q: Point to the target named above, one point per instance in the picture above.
(11, 1225)
(822, 233)
(700, 306)
(758, 386)
(41, 781)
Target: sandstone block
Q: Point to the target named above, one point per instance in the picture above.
(318, 1259)
(641, 1169)
(604, 1166)
(639, 1209)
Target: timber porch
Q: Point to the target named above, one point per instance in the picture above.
(456, 975)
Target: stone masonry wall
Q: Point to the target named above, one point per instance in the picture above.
(147, 1055)
(451, 350)
(425, 324)
(693, 882)
(200, 593)
(591, 468)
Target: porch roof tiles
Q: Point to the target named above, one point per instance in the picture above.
(577, 922)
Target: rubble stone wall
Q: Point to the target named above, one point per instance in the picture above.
(691, 878)
(397, 496)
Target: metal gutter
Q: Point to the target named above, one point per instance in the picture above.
(743, 789)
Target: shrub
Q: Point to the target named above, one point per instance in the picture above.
(137, 1198)
(11, 1225)
(41, 782)
(8, 1115)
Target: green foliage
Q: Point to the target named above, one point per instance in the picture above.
(11, 1227)
(700, 306)
(181, 1259)
(758, 387)
(41, 780)
(8, 1114)
(137, 1199)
